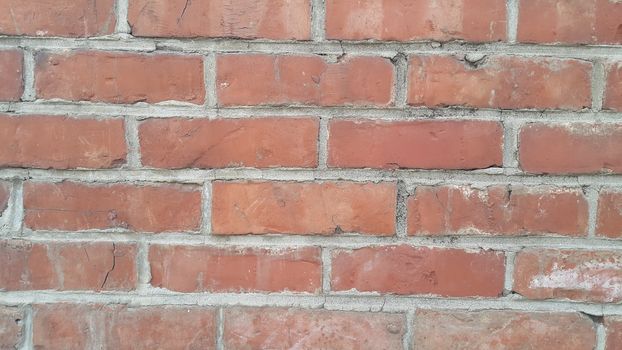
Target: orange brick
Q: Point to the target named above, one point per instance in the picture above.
(503, 82)
(61, 143)
(209, 269)
(200, 143)
(419, 270)
(11, 83)
(119, 77)
(415, 144)
(473, 20)
(303, 80)
(76, 206)
(501, 210)
(609, 222)
(248, 19)
(303, 208)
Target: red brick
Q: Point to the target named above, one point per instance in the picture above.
(119, 77)
(66, 326)
(77, 206)
(502, 210)
(613, 92)
(248, 19)
(419, 270)
(65, 18)
(613, 326)
(202, 143)
(61, 143)
(11, 327)
(11, 83)
(570, 21)
(496, 329)
(303, 80)
(303, 208)
(564, 274)
(580, 148)
(210, 269)
(415, 144)
(479, 20)
(504, 82)
(277, 328)
(98, 266)
(609, 214)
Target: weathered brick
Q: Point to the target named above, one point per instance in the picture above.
(504, 82)
(119, 77)
(277, 328)
(570, 21)
(11, 327)
(419, 270)
(415, 144)
(248, 19)
(210, 269)
(609, 222)
(98, 266)
(303, 208)
(502, 210)
(201, 143)
(479, 20)
(64, 18)
(577, 275)
(613, 88)
(79, 206)
(61, 143)
(497, 329)
(579, 148)
(303, 80)
(613, 326)
(87, 326)
(11, 83)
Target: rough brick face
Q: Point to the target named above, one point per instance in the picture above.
(11, 327)
(418, 144)
(208, 269)
(119, 77)
(499, 82)
(303, 208)
(64, 326)
(76, 206)
(613, 88)
(563, 274)
(609, 222)
(419, 270)
(268, 19)
(67, 266)
(11, 84)
(570, 21)
(613, 325)
(480, 20)
(267, 328)
(65, 18)
(259, 143)
(303, 80)
(445, 330)
(61, 143)
(578, 148)
(502, 210)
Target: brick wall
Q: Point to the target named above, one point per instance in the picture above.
(257, 174)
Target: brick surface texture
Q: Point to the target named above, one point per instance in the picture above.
(311, 174)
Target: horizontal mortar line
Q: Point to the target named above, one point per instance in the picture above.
(485, 177)
(336, 47)
(348, 241)
(374, 303)
(78, 109)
